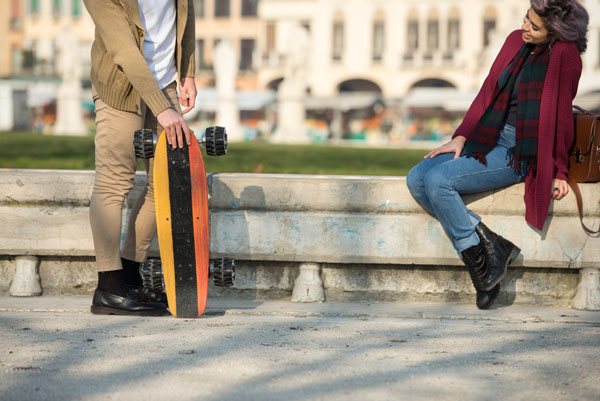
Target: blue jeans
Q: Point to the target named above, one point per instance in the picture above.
(437, 183)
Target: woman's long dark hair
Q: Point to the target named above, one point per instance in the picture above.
(565, 20)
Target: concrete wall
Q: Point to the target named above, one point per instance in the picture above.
(345, 225)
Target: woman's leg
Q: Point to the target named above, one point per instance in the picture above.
(445, 183)
(415, 181)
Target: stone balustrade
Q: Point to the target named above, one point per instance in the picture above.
(309, 220)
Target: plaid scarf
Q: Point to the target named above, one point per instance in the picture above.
(523, 156)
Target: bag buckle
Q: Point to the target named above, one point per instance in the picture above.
(578, 157)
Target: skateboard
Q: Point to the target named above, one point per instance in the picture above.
(182, 221)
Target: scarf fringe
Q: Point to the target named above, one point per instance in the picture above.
(522, 164)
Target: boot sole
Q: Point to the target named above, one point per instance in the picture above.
(513, 255)
(103, 310)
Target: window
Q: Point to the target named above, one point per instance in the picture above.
(200, 54)
(338, 40)
(432, 35)
(489, 25)
(453, 34)
(17, 60)
(33, 7)
(270, 39)
(56, 8)
(247, 50)
(412, 35)
(15, 15)
(221, 8)
(249, 8)
(76, 8)
(199, 8)
(378, 40)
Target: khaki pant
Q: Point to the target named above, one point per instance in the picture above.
(115, 171)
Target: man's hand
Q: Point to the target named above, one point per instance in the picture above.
(559, 189)
(454, 146)
(175, 127)
(187, 90)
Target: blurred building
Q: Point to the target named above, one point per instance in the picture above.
(393, 46)
(390, 66)
(236, 20)
(34, 28)
(11, 37)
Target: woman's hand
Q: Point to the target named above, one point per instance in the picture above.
(187, 90)
(454, 146)
(559, 189)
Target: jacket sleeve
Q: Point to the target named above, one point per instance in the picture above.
(188, 44)
(570, 73)
(116, 34)
(484, 97)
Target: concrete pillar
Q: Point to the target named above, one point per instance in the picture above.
(26, 282)
(588, 290)
(308, 287)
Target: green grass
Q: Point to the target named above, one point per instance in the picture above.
(32, 151)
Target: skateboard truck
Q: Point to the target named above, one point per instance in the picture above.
(222, 271)
(152, 277)
(214, 141)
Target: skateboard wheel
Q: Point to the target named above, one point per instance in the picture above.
(152, 276)
(223, 272)
(143, 143)
(215, 141)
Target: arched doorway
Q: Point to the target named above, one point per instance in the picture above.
(432, 83)
(358, 85)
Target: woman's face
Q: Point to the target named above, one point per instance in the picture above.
(533, 28)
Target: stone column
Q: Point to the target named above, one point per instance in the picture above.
(226, 69)
(588, 290)
(69, 118)
(308, 287)
(291, 113)
(26, 282)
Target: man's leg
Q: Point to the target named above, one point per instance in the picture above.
(115, 169)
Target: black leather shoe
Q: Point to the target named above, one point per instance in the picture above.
(105, 303)
(485, 299)
(499, 253)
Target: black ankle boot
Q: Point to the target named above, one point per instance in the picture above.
(474, 259)
(485, 299)
(499, 252)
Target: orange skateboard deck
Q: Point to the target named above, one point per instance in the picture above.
(181, 203)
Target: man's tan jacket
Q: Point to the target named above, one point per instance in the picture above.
(120, 73)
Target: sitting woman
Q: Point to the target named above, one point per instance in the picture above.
(518, 128)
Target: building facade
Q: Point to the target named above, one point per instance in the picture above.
(392, 46)
(11, 34)
(235, 20)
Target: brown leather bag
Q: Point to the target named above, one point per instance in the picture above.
(584, 156)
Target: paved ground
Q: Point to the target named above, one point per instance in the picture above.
(53, 349)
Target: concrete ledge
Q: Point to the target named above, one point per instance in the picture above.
(333, 220)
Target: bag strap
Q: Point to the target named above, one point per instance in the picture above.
(581, 109)
(577, 193)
